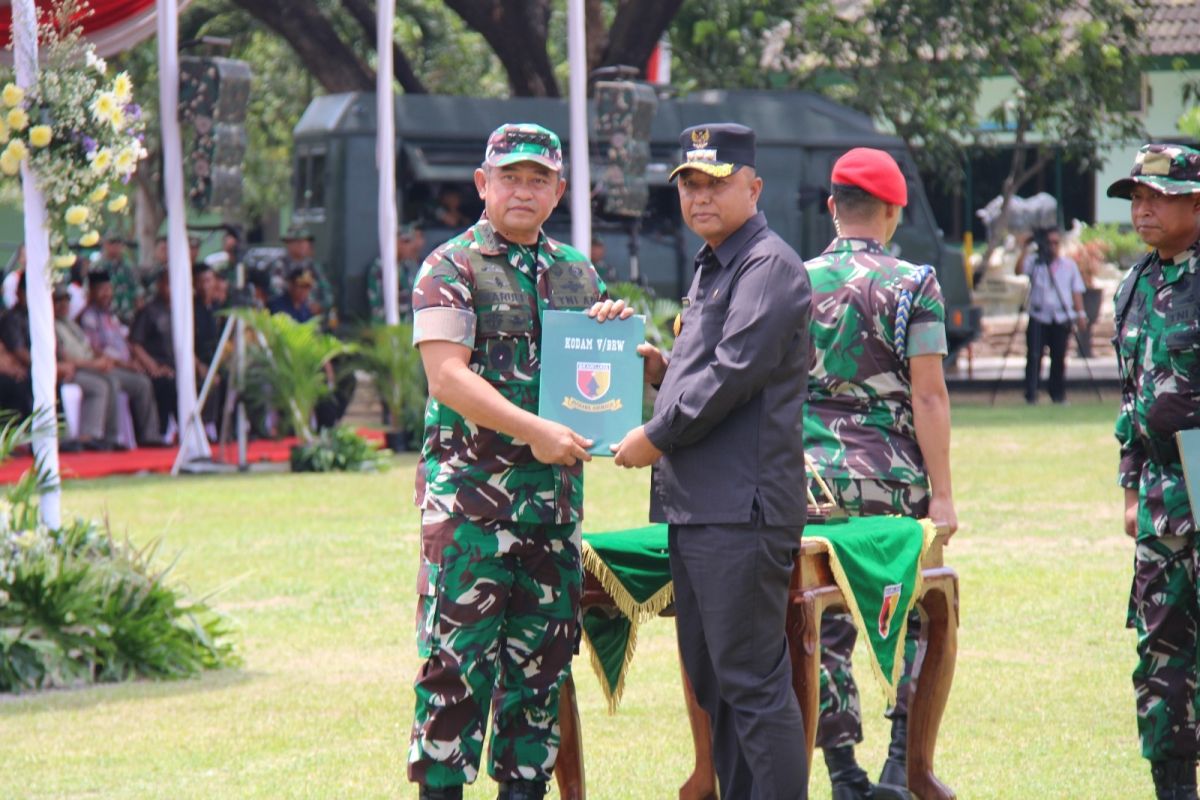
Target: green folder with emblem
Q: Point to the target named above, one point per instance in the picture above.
(591, 375)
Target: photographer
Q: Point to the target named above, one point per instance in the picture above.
(1055, 303)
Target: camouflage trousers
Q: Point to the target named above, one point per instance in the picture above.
(497, 624)
(1163, 610)
(840, 720)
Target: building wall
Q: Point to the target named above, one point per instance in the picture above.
(1163, 98)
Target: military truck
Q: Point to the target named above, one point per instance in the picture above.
(439, 143)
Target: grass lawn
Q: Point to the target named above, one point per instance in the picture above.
(318, 572)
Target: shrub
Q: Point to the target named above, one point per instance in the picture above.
(339, 449)
(78, 607)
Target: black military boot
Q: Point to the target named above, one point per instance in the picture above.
(448, 793)
(1174, 779)
(523, 790)
(849, 780)
(893, 778)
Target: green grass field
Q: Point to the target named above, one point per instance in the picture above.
(317, 572)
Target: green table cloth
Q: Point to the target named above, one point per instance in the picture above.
(875, 561)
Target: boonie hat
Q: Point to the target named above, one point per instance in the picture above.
(873, 171)
(515, 142)
(1165, 168)
(718, 149)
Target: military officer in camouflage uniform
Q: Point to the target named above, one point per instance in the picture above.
(410, 243)
(127, 291)
(1158, 351)
(877, 423)
(500, 489)
(298, 241)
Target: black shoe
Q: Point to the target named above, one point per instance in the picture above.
(70, 446)
(447, 793)
(893, 778)
(522, 790)
(848, 779)
(1174, 778)
(97, 446)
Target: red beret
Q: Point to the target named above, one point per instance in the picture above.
(873, 171)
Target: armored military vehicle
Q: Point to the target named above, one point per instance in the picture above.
(439, 143)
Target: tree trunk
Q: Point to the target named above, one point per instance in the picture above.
(636, 30)
(596, 33)
(330, 60)
(402, 70)
(516, 31)
(150, 212)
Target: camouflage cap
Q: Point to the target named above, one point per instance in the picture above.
(515, 142)
(297, 231)
(1165, 168)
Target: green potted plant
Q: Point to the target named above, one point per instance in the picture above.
(292, 368)
(388, 355)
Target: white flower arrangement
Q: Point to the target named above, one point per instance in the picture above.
(80, 131)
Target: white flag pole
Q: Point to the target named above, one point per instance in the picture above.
(385, 158)
(192, 441)
(42, 345)
(581, 179)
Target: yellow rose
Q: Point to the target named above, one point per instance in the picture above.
(89, 239)
(17, 119)
(8, 164)
(77, 215)
(122, 88)
(13, 95)
(62, 262)
(40, 135)
(102, 160)
(104, 106)
(118, 203)
(99, 194)
(17, 148)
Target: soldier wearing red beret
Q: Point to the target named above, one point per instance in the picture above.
(877, 423)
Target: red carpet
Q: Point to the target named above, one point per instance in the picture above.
(74, 466)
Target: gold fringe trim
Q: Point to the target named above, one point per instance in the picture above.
(634, 611)
(623, 600)
(929, 530)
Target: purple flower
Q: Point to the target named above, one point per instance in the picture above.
(89, 144)
(134, 111)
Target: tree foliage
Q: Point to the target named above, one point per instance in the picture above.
(919, 66)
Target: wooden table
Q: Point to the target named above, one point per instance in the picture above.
(813, 592)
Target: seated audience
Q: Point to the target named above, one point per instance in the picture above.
(294, 301)
(153, 346)
(113, 358)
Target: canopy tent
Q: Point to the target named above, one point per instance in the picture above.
(112, 25)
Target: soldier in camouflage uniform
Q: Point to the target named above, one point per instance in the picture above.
(501, 490)
(410, 243)
(298, 240)
(877, 423)
(1158, 351)
(127, 290)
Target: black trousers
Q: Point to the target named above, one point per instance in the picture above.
(731, 587)
(1038, 337)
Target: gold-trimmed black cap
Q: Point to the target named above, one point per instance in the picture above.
(718, 149)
